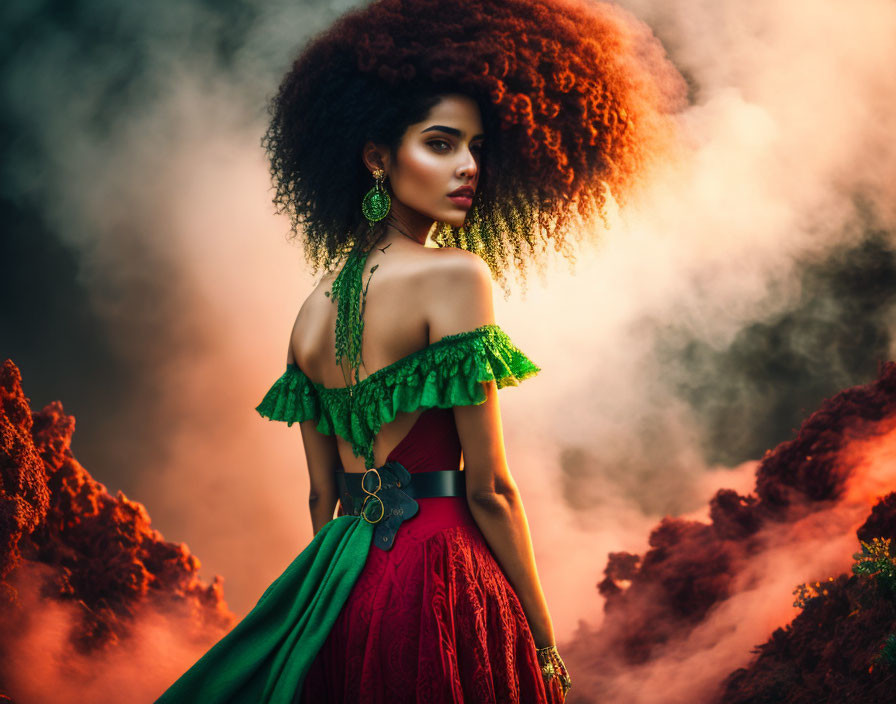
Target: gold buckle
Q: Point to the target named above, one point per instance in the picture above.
(372, 495)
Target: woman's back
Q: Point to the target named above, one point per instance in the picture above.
(414, 297)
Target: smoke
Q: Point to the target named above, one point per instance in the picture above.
(44, 668)
(755, 281)
(688, 611)
(136, 147)
(679, 349)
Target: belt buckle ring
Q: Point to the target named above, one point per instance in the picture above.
(372, 494)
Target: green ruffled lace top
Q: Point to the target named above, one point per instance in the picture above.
(447, 373)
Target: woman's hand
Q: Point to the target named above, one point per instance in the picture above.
(553, 669)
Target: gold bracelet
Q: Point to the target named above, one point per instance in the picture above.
(552, 666)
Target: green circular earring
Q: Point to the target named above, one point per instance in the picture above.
(376, 203)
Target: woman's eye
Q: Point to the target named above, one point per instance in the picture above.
(440, 145)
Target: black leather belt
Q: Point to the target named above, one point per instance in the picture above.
(423, 485)
(385, 495)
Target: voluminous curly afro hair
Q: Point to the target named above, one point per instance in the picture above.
(574, 96)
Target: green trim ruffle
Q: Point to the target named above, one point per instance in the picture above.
(447, 373)
(293, 398)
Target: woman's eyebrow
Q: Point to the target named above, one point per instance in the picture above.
(449, 130)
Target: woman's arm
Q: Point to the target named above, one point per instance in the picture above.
(322, 458)
(497, 508)
(323, 461)
(464, 303)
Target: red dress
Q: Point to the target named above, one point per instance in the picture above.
(434, 618)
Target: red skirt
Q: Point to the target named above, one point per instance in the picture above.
(434, 619)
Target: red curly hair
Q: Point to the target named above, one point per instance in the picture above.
(575, 97)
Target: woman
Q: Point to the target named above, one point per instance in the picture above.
(487, 130)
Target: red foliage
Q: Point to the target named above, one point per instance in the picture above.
(828, 653)
(690, 565)
(100, 552)
(658, 599)
(882, 521)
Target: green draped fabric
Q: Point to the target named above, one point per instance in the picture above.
(447, 373)
(264, 659)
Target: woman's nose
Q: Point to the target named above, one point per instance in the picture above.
(468, 166)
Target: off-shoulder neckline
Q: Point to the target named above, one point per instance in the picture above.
(488, 327)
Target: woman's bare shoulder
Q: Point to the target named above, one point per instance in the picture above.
(310, 328)
(318, 301)
(450, 266)
(458, 292)
(443, 290)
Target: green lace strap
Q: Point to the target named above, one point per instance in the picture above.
(292, 399)
(349, 294)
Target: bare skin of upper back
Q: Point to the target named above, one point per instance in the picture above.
(416, 296)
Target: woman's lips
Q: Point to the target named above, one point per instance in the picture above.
(462, 201)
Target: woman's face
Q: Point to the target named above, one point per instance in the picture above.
(436, 157)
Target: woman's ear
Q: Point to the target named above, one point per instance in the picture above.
(375, 157)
